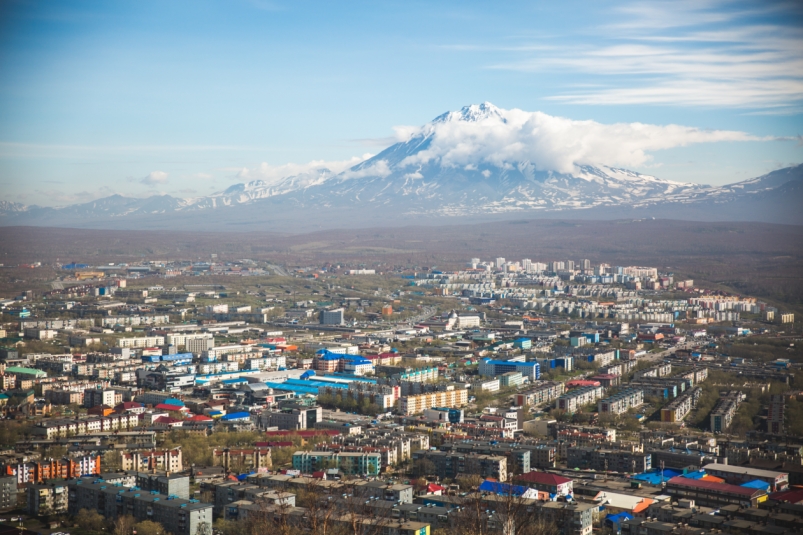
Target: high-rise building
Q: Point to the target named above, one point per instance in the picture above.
(97, 396)
(500, 262)
(332, 317)
(775, 414)
(586, 263)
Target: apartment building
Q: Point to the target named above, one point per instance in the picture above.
(141, 342)
(725, 410)
(177, 515)
(8, 493)
(678, 409)
(42, 471)
(572, 400)
(518, 458)
(63, 428)
(166, 483)
(544, 392)
(452, 464)
(143, 461)
(608, 460)
(663, 369)
(350, 463)
(94, 397)
(45, 499)
(621, 402)
(242, 460)
(409, 405)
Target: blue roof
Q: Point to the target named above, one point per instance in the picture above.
(174, 401)
(502, 488)
(294, 388)
(654, 477)
(233, 381)
(312, 383)
(508, 363)
(618, 518)
(756, 484)
(236, 416)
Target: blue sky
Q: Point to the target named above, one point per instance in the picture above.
(187, 98)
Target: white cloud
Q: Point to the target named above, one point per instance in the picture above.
(710, 53)
(505, 137)
(155, 177)
(379, 168)
(274, 173)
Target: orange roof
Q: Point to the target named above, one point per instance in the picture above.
(642, 505)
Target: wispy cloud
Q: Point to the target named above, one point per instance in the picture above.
(273, 173)
(154, 177)
(701, 53)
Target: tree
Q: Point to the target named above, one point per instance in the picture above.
(226, 527)
(147, 527)
(423, 467)
(90, 520)
(124, 525)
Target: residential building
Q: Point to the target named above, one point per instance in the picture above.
(169, 484)
(49, 498)
(364, 464)
(543, 392)
(545, 482)
(621, 402)
(242, 460)
(572, 400)
(379, 489)
(142, 461)
(94, 397)
(178, 516)
(775, 414)
(451, 465)
(608, 460)
(724, 411)
(8, 493)
(43, 471)
(141, 342)
(570, 518)
(409, 405)
(681, 406)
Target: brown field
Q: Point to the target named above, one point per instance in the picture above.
(759, 259)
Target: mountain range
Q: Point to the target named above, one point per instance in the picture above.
(409, 182)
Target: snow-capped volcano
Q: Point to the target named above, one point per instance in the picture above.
(480, 160)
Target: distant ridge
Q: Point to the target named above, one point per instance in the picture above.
(402, 183)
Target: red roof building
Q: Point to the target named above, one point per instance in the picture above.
(577, 383)
(712, 494)
(546, 482)
(130, 407)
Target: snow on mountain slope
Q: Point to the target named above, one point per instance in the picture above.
(474, 161)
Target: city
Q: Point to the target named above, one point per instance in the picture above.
(585, 395)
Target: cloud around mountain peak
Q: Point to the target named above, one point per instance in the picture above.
(486, 135)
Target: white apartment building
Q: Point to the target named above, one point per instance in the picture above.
(141, 342)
